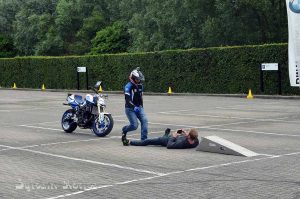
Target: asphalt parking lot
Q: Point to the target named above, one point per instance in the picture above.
(39, 160)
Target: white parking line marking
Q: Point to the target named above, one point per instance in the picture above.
(175, 111)
(164, 124)
(79, 192)
(175, 172)
(39, 127)
(254, 109)
(229, 117)
(269, 155)
(255, 132)
(85, 160)
(165, 112)
(45, 128)
(240, 162)
(212, 128)
(50, 122)
(41, 123)
(225, 124)
(28, 109)
(56, 143)
(182, 125)
(5, 149)
(72, 141)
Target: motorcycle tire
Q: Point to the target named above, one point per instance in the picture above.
(67, 124)
(102, 131)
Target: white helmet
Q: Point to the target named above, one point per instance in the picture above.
(136, 76)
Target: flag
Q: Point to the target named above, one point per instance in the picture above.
(293, 13)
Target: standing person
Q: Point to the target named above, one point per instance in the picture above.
(134, 109)
(177, 140)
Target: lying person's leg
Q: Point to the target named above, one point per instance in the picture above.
(162, 141)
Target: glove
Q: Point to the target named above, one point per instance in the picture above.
(137, 110)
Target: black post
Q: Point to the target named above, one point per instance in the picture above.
(279, 80)
(87, 79)
(77, 80)
(261, 72)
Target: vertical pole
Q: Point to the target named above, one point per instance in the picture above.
(261, 72)
(77, 80)
(279, 80)
(87, 79)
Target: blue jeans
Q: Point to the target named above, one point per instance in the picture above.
(132, 117)
(162, 141)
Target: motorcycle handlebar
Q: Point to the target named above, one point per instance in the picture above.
(93, 89)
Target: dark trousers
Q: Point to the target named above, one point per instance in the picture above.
(162, 141)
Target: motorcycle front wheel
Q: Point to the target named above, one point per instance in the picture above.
(104, 128)
(67, 123)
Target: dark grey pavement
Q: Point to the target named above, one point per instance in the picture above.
(39, 160)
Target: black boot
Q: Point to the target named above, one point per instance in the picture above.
(124, 139)
(167, 132)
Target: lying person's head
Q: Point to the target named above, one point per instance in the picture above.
(192, 134)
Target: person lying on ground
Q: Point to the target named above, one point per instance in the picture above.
(177, 140)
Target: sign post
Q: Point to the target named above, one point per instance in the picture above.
(87, 80)
(270, 67)
(82, 70)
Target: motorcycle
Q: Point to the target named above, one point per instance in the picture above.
(87, 113)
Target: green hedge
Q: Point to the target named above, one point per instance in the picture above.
(210, 70)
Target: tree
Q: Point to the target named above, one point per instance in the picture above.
(169, 24)
(31, 25)
(6, 47)
(29, 30)
(51, 45)
(246, 22)
(68, 19)
(78, 21)
(112, 39)
(8, 11)
(88, 31)
(64, 27)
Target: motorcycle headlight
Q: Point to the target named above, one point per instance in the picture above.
(101, 102)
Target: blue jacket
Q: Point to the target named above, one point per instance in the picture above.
(133, 95)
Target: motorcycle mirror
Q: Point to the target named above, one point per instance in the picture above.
(97, 85)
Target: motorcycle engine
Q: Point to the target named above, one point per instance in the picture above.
(84, 116)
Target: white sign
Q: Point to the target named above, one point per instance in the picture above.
(293, 12)
(81, 69)
(269, 66)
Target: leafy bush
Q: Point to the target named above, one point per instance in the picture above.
(210, 70)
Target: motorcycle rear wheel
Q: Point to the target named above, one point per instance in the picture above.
(67, 123)
(104, 129)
